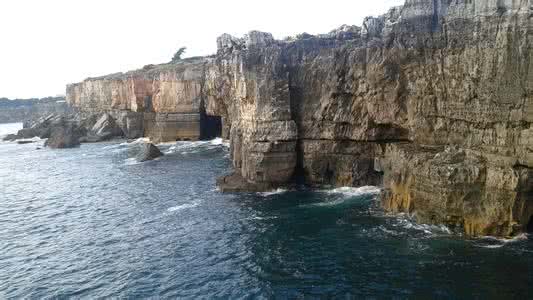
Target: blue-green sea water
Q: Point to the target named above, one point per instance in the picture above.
(91, 223)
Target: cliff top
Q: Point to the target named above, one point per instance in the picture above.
(153, 70)
(5, 102)
(372, 27)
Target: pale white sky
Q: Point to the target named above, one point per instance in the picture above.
(47, 44)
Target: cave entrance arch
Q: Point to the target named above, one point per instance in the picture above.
(210, 126)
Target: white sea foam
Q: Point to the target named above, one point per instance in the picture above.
(183, 206)
(115, 146)
(195, 147)
(34, 139)
(355, 191)
(131, 161)
(328, 203)
(346, 194)
(406, 222)
(271, 193)
(262, 218)
(137, 141)
(220, 141)
(491, 242)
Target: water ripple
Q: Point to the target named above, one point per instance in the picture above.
(79, 223)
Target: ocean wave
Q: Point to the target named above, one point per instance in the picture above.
(221, 142)
(183, 206)
(345, 193)
(262, 218)
(491, 242)
(355, 191)
(406, 222)
(34, 139)
(327, 204)
(137, 141)
(274, 192)
(131, 161)
(183, 147)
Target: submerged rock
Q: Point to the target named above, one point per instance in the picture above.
(148, 151)
(10, 138)
(22, 142)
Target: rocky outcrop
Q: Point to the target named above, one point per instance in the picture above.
(64, 136)
(70, 129)
(457, 187)
(433, 101)
(148, 151)
(104, 129)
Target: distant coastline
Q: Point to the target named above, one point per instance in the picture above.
(20, 110)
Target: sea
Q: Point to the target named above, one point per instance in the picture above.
(91, 222)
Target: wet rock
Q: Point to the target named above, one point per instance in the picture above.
(41, 127)
(457, 187)
(10, 137)
(22, 142)
(148, 151)
(236, 183)
(67, 136)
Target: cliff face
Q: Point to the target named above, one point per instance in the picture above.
(162, 102)
(433, 101)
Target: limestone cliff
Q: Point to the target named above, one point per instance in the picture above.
(163, 102)
(433, 101)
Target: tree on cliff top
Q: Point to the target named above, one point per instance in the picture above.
(178, 54)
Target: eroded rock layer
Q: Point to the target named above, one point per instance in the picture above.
(433, 101)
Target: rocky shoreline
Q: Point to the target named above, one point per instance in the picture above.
(70, 130)
(433, 101)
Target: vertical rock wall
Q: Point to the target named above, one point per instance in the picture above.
(162, 102)
(250, 88)
(433, 101)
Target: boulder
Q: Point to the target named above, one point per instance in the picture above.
(28, 133)
(148, 151)
(41, 127)
(105, 128)
(63, 137)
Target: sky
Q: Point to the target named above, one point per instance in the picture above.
(48, 44)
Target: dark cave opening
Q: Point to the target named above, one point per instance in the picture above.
(529, 227)
(210, 127)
